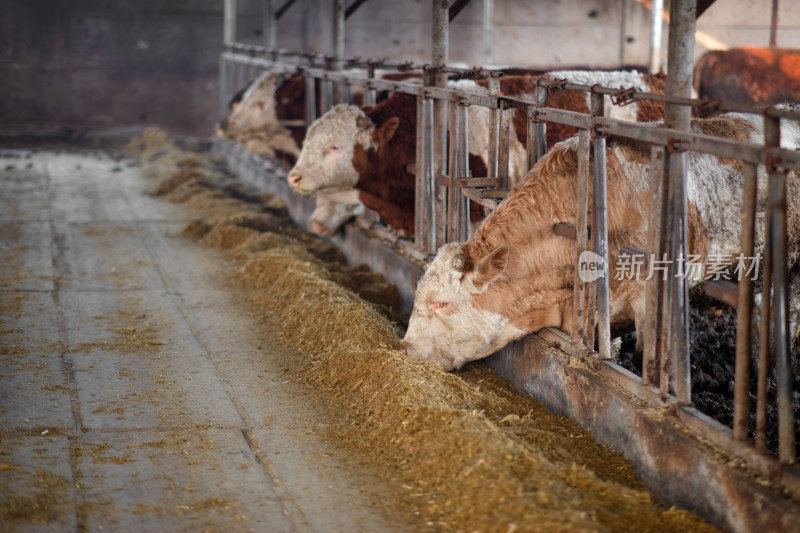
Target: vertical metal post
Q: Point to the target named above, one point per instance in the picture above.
(338, 47)
(431, 221)
(453, 165)
(270, 28)
(600, 232)
(773, 27)
(229, 22)
(311, 100)
(581, 219)
(656, 31)
(622, 31)
(502, 147)
(223, 86)
(763, 341)
(421, 198)
(655, 288)
(326, 94)
(679, 83)
(304, 45)
(369, 95)
(780, 296)
(541, 126)
(741, 407)
(530, 140)
(494, 125)
(464, 219)
(488, 32)
(440, 30)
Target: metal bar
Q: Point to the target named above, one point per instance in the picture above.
(304, 23)
(229, 22)
(773, 26)
(530, 139)
(475, 196)
(780, 297)
(223, 86)
(440, 36)
(452, 191)
(494, 193)
(622, 31)
(724, 291)
(487, 33)
(763, 341)
(503, 147)
(741, 406)
(310, 101)
(421, 198)
(430, 223)
(656, 32)
(541, 127)
(494, 124)
(270, 28)
(464, 232)
(475, 182)
(581, 235)
(655, 284)
(282, 10)
(352, 8)
(338, 48)
(600, 237)
(679, 83)
(455, 9)
(369, 95)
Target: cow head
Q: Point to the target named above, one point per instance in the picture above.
(327, 160)
(447, 326)
(329, 214)
(255, 112)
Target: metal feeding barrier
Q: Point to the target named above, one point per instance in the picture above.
(445, 185)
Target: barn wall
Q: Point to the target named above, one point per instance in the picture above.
(88, 64)
(93, 64)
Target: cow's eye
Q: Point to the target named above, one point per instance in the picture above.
(335, 148)
(438, 305)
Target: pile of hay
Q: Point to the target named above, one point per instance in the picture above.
(471, 454)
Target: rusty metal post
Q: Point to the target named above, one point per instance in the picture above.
(464, 209)
(310, 100)
(430, 225)
(453, 165)
(503, 147)
(421, 197)
(530, 139)
(494, 125)
(656, 31)
(773, 26)
(600, 231)
(488, 32)
(780, 295)
(440, 31)
(679, 83)
(581, 219)
(741, 406)
(655, 285)
(229, 22)
(369, 95)
(270, 27)
(541, 126)
(763, 341)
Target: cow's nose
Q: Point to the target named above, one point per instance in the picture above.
(319, 229)
(403, 348)
(294, 179)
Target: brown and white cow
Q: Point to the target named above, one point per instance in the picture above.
(749, 75)
(515, 276)
(349, 148)
(253, 119)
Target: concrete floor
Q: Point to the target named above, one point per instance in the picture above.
(136, 393)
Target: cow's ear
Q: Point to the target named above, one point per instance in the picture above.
(363, 122)
(490, 267)
(367, 108)
(384, 133)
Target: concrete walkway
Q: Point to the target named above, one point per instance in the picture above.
(135, 393)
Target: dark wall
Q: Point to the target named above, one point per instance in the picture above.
(96, 64)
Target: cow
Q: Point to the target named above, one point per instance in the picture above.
(253, 120)
(515, 276)
(749, 75)
(356, 158)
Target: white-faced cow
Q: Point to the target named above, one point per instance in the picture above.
(253, 119)
(515, 276)
(349, 148)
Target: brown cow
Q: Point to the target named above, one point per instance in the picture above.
(515, 276)
(749, 75)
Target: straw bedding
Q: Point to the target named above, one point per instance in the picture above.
(469, 452)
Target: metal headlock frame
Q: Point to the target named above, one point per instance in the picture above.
(442, 215)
